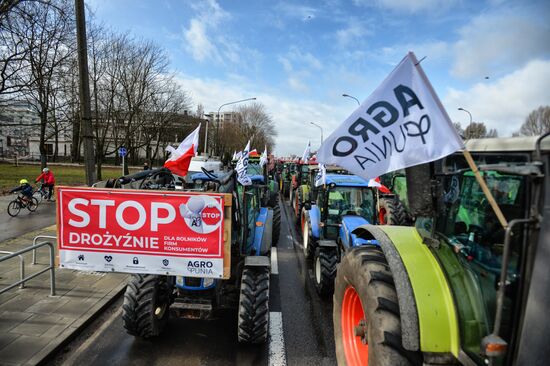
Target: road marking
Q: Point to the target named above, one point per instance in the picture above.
(274, 264)
(277, 353)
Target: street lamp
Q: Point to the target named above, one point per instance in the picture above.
(464, 110)
(223, 105)
(352, 97)
(206, 133)
(321, 128)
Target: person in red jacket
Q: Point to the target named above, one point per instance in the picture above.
(49, 181)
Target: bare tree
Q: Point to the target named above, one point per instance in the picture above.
(252, 123)
(537, 122)
(478, 130)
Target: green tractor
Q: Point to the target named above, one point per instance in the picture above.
(457, 288)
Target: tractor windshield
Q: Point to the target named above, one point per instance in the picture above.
(350, 201)
(254, 168)
(476, 237)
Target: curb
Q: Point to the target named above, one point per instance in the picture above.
(76, 328)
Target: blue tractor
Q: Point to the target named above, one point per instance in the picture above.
(150, 299)
(344, 203)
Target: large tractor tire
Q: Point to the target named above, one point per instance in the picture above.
(366, 317)
(276, 225)
(146, 305)
(308, 242)
(298, 205)
(253, 319)
(392, 212)
(324, 268)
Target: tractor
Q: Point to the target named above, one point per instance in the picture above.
(299, 181)
(392, 203)
(460, 287)
(307, 191)
(150, 299)
(342, 204)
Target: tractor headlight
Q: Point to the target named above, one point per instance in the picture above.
(179, 280)
(207, 282)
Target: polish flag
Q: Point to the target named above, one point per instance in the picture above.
(180, 158)
(382, 188)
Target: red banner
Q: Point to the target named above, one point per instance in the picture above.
(141, 231)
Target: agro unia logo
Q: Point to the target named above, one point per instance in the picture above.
(202, 214)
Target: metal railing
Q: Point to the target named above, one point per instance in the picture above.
(21, 269)
(34, 243)
(50, 268)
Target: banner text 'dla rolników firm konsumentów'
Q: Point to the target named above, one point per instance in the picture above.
(169, 233)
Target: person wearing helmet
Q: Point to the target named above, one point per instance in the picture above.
(25, 188)
(49, 181)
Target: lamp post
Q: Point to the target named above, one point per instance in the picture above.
(205, 151)
(223, 105)
(352, 97)
(321, 128)
(464, 110)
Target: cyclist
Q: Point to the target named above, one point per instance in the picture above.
(49, 181)
(25, 188)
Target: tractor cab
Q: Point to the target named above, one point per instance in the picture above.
(485, 255)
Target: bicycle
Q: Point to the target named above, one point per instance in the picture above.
(15, 206)
(40, 193)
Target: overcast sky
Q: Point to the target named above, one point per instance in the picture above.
(298, 58)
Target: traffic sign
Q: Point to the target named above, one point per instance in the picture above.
(122, 152)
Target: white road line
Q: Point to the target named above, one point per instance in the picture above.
(274, 263)
(277, 354)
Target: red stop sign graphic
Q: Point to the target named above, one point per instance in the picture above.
(211, 215)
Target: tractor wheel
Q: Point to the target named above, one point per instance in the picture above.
(324, 267)
(298, 206)
(307, 241)
(253, 319)
(146, 305)
(366, 317)
(392, 212)
(276, 225)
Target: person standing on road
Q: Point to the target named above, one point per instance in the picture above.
(49, 181)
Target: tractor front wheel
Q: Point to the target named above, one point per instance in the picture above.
(324, 266)
(253, 319)
(307, 241)
(146, 305)
(367, 325)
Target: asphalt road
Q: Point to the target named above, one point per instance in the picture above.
(11, 227)
(306, 337)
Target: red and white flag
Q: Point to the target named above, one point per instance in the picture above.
(180, 158)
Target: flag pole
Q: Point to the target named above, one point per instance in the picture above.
(485, 189)
(467, 155)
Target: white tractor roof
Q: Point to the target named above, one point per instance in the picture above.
(506, 144)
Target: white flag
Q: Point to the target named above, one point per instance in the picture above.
(242, 165)
(307, 151)
(321, 177)
(401, 124)
(234, 155)
(263, 158)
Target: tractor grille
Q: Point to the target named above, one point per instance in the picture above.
(192, 281)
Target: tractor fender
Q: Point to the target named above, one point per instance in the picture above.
(347, 238)
(257, 261)
(315, 221)
(429, 320)
(263, 231)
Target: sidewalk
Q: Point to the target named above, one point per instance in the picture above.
(33, 324)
